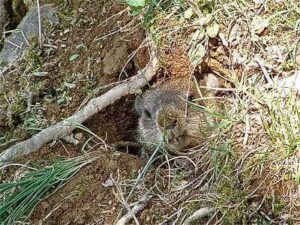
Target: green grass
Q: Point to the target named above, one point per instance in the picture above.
(19, 198)
(256, 138)
(281, 121)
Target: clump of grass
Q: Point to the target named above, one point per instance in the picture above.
(33, 57)
(281, 121)
(231, 201)
(19, 198)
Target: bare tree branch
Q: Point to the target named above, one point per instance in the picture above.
(132, 212)
(94, 106)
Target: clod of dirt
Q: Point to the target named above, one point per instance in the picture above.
(115, 59)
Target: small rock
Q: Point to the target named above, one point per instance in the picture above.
(108, 183)
(27, 28)
(79, 136)
(212, 81)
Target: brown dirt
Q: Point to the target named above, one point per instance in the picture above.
(86, 199)
(99, 63)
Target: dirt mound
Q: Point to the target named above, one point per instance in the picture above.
(83, 57)
(89, 197)
(86, 55)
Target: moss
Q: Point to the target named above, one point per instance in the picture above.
(232, 202)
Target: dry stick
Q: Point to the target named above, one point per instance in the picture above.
(199, 215)
(264, 70)
(40, 24)
(132, 212)
(94, 106)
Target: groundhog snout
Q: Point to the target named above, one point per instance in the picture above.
(167, 119)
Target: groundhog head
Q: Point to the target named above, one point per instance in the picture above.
(163, 121)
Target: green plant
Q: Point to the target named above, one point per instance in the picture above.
(18, 198)
(281, 120)
(151, 7)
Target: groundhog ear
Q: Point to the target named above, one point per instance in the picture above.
(139, 105)
(167, 119)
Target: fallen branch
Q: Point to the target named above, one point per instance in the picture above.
(199, 215)
(94, 106)
(132, 212)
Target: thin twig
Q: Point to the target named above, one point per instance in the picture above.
(114, 32)
(40, 23)
(17, 46)
(117, 14)
(264, 70)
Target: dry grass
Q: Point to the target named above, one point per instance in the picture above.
(248, 169)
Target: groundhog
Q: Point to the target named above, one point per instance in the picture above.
(165, 123)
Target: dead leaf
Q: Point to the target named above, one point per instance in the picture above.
(290, 82)
(196, 54)
(188, 13)
(276, 52)
(213, 30)
(259, 1)
(205, 20)
(286, 85)
(237, 57)
(259, 24)
(198, 35)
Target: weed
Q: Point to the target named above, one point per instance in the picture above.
(231, 201)
(281, 121)
(18, 198)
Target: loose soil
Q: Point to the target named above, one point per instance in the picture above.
(95, 32)
(86, 199)
(100, 62)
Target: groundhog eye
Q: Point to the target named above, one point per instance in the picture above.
(147, 113)
(191, 98)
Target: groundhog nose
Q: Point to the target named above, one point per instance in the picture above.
(167, 119)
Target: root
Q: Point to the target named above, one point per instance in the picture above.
(199, 215)
(132, 212)
(219, 69)
(94, 106)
